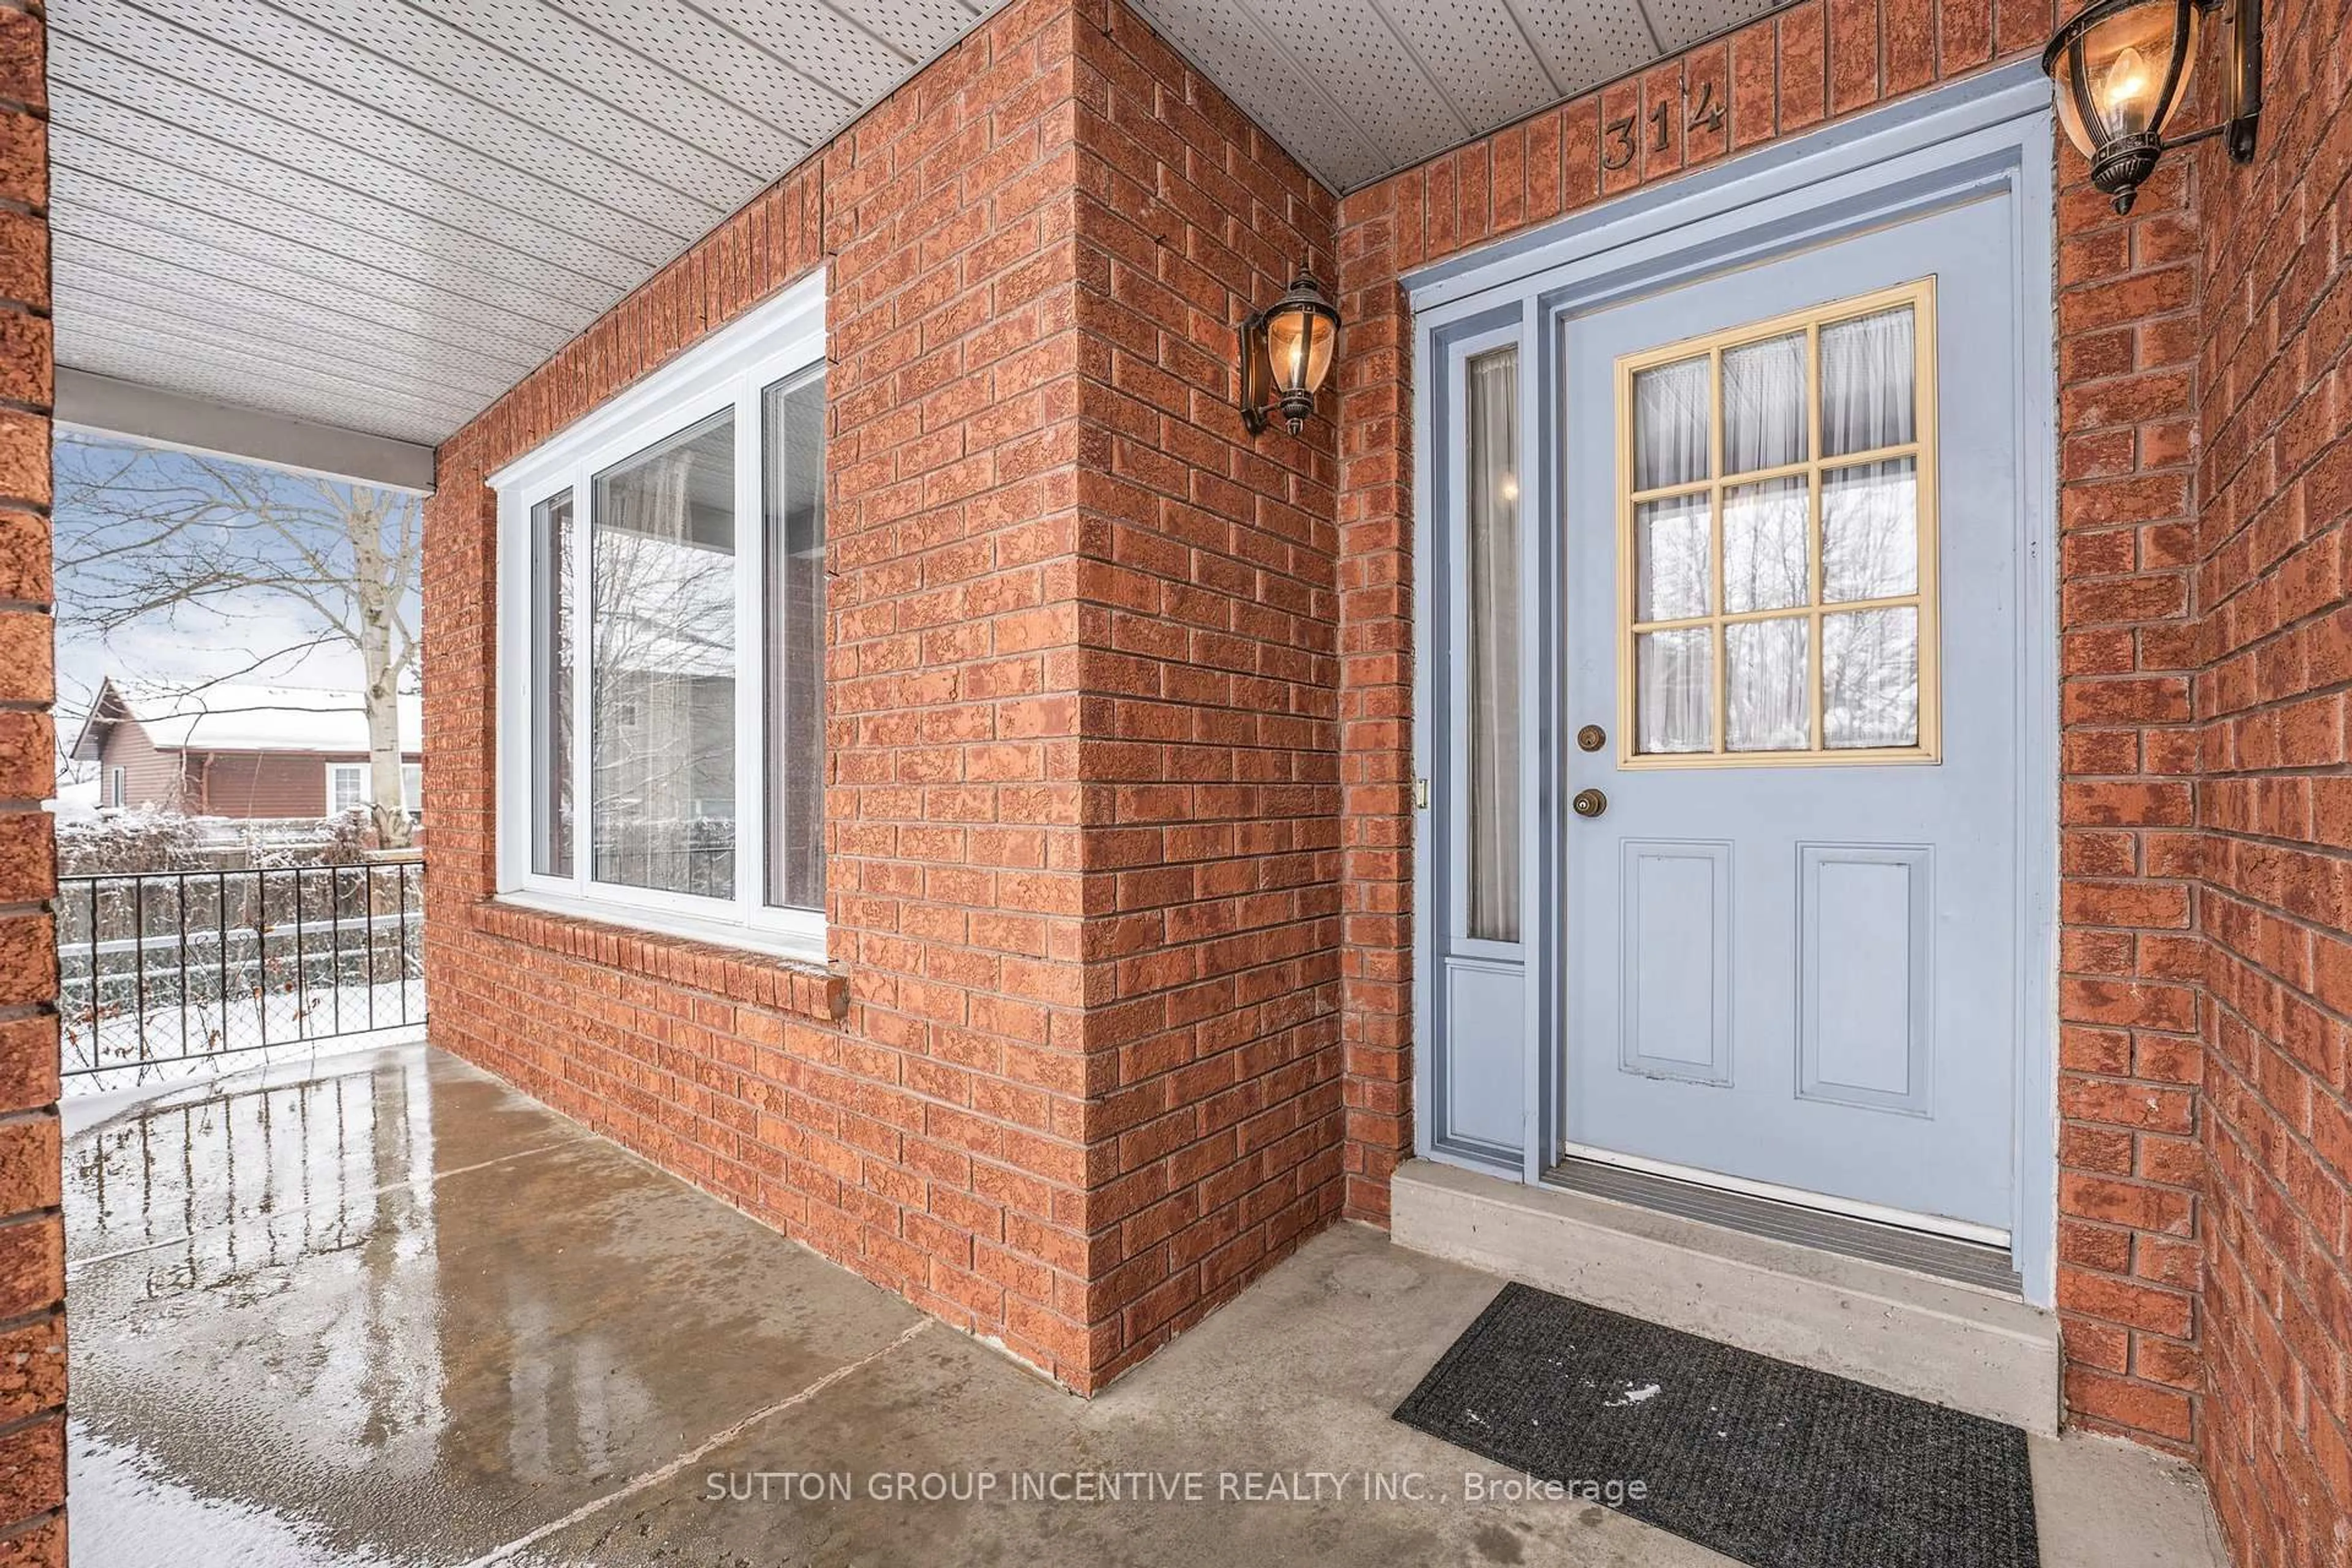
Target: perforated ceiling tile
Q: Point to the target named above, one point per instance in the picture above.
(1400, 107)
(667, 135)
(468, 370)
(621, 251)
(917, 28)
(1681, 23)
(136, 149)
(1587, 42)
(638, 175)
(816, 40)
(128, 352)
(113, 215)
(306, 112)
(572, 51)
(1233, 47)
(1480, 55)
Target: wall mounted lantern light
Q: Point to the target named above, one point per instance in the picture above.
(1285, 353)
(2122, 68)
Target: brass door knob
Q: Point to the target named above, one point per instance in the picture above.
(1589, 803)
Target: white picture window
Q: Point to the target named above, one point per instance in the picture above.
(347, 787)
(662, 682)
(412, 788)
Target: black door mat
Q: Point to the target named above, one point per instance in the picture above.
(1775, 1465)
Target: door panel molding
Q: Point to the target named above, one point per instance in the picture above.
(1668, 1002)
(1864, 1031)
(1988, 138)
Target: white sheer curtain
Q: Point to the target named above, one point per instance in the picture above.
(1491, 494)
(1870, 534)
(1670, 425)
(1866, 382)
(1764, 405)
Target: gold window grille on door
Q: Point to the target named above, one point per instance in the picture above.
(1777, 541)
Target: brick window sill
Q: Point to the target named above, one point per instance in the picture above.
(804, 986)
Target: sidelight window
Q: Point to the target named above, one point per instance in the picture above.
(1777, 540)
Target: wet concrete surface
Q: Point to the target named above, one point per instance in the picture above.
(386, 1313)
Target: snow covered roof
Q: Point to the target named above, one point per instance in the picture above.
(242, 718)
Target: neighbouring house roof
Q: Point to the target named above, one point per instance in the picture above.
(242, 718)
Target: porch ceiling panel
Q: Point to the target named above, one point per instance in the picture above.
(377, 214)
(1359, 89)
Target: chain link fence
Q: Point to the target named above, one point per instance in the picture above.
(160, 969)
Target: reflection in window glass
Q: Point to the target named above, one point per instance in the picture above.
(1675, 687)
(551, 685)
(791, 414)
(1764, 562)
(1778, 499)
(1491, 496)
(661, 722)
(1870, 678)
(1671, 549)
(1768, 703)
(1870, 530)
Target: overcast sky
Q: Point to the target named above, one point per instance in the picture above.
(192, 643)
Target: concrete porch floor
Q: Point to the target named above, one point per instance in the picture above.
(381, 1311)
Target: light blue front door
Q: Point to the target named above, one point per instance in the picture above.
(1791, 496)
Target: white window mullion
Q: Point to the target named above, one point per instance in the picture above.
(751, 650)
(583, 672)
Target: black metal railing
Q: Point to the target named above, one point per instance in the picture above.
(159, 968)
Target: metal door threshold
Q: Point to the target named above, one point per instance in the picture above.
(1963, 1262)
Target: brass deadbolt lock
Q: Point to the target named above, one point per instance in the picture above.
(1589, 803)
(1591, 738)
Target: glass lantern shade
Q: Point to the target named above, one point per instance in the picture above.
(1286, 353)
(2121, 69)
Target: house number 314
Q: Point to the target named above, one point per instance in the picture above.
(1617, 140)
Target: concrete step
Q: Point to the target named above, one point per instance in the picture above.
(1952, 1345)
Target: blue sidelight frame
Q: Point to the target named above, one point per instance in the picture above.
(1988, 137)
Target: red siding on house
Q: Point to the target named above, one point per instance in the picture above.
(2130, 1051)
(262, 784)
(149, 777)
(32, 1237)
(2274, 577)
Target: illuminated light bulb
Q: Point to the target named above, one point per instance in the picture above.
(2124, 91)
(1507, 492)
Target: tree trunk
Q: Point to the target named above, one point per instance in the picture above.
(383, 699)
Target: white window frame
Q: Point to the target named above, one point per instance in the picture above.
(118, 786)
(412, 800)
(731, 369)
(366, 793)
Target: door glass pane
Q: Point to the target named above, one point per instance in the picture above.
(1866, 382)
(1491, 493)
(1764, 530)
(1764, 405)
(1670, 425)
(1767, 703)
(791, 484)
(661, 726)
(1671, 550)
(1870, 678)
(1870, 532)
(552, 655)
(1674, 691)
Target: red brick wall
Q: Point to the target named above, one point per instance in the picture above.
(32, 1238)
(1071, 1075)
(2127, 325)
(2275, 573)
(1210, 722)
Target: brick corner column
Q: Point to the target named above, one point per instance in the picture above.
(1379, 234)
(32, 1238)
